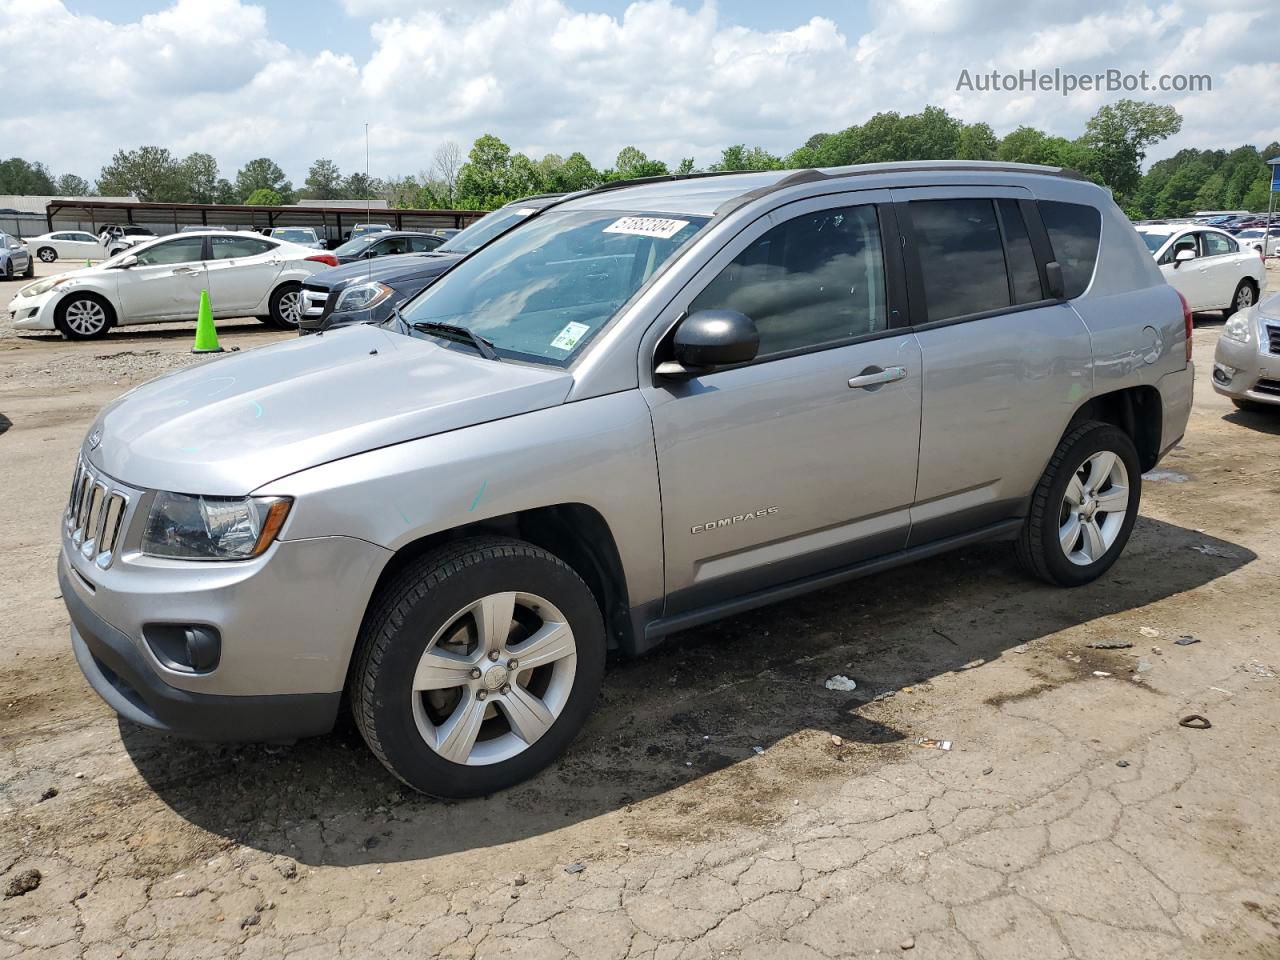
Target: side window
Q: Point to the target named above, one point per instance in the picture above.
(1216, 244)
(1024, 275)
(961, 256)
(1185, 242)
(183, 250)
(226, 248)
(815, 279)
(423, 244)
(61, 236)
(393, 246)
(1074, 229)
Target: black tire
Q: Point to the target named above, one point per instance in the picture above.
(1253, 406)
(266, 319)
(410, 610)
(31, 268)
(1234, 306)
(47, 254)
(278, 295)
(1038, 547)
(8, 270)
(72, 332)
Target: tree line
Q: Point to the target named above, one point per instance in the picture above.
(1109, 151)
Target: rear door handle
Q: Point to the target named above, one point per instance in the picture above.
(874, 376)
(186, 271)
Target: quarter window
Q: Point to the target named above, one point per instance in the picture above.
(961, 256)
(815, 279)
(227, 248)
(184, 250)
(1074, 229)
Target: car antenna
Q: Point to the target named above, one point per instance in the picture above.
(368, 193)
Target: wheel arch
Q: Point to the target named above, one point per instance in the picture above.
(575, 532)
(1138, 411)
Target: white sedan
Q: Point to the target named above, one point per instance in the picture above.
(246, 274)
(66, 245)
(1208, 267)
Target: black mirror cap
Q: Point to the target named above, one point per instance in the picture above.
(716, 338)
(1057, 286)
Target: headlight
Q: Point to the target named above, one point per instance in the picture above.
(362, 296)
(212, 528)
(1239, 327)
(41, 286)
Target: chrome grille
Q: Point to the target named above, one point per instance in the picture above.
(96, 514)
(1273, 336)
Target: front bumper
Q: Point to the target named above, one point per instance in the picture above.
(32, 313)
(119, 674)
(1243, 371)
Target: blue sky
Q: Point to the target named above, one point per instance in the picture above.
(297, 81)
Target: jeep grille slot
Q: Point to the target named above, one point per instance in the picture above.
(97, 511)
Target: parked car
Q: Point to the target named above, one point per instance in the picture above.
(362, 229)
(368, 293)
(15, 259)
(116, 237)
(386, 243)
(197, 228)
(1207, 266)
(302, 236)
(453, 518)
(1253, 237)
(245, 274)
(1247, 359)
(67, 245)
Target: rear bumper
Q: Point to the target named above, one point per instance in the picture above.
(125, 680)
(1175, 399)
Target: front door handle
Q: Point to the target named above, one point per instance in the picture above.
(874, 376)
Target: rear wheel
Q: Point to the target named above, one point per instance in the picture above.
(83, 316)
(1246, 296)
(47, 254)
(286, 306)
(477, 666)
(1084, 507)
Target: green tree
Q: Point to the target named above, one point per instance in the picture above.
(264, 197)
(263, 174)
(631, 163)
(18, 176)
(198, 178)
(1120, 133)
(482, 179)
(69, 185)
(1027, 145)
(685, 167)
(577, 173)
(738, 157)
(976, 141)
(149, 173)
(361, 186)
(324, 181)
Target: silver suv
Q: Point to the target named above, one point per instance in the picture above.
(651, 405)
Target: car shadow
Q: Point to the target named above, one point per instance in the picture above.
(1263, 421)
(152, 333)
(698, 708)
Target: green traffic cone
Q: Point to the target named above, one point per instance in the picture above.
(87, 263)
(206, 333)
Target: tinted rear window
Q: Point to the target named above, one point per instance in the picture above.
(1074, 229)
(961, 256)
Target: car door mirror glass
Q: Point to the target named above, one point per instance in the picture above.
(711, 338)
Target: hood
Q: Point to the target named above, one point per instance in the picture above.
(231, 425)
(405, 266)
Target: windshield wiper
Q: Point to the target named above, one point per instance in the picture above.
(456, 332)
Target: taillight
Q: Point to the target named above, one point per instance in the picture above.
(1187, 321)
(327, 258)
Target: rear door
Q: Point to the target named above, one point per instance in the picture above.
(165, 282)
(803, 460)
(1003, 364)
(1225, 266)
(241, 272)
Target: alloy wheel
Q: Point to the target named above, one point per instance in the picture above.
(86, 317)
(1244, 297)
(1093, 508)
(47, 255)
(291, 307)
(494, 679)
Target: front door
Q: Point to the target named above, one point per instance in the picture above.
(165, 282)
(803, 460)
(1189, 277)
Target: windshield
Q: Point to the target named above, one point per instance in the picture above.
(542, 292)
(1154, 241)
(297, 236)
(356, 244)
(485, 229)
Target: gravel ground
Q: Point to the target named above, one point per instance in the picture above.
(722, 801)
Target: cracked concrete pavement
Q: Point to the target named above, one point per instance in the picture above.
(1073, 817)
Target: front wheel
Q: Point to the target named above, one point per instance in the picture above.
(1084, 506)
(477, 666)
(83, 316)
(286, 306)
(31, 268)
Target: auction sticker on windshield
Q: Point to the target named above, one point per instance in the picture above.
(663, 228)
(568, 338)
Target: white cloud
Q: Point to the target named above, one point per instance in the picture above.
(543, 75)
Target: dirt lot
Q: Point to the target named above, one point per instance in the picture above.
(721, 802)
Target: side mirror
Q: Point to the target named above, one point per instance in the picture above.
(709, 339)
(130, 261)
(1057, 286)
(1182, 256)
